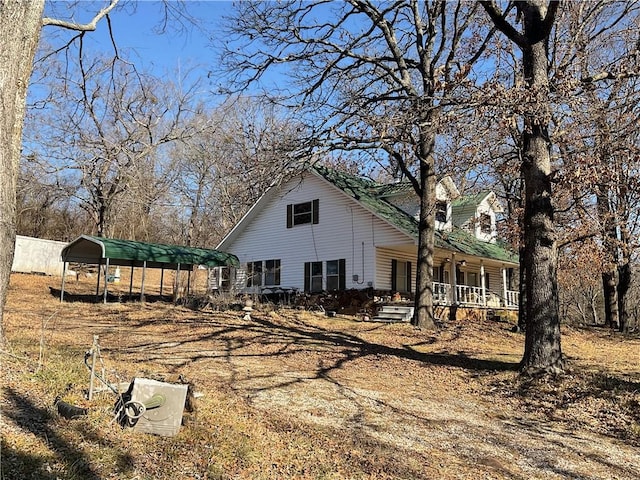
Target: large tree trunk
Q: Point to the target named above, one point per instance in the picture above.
(542, 342)
(624, 283)
(522, 299)
(20, 23)
(610, 293)
(423, 317)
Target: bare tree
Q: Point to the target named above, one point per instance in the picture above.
(108, 131)
(542, 343)
(243, 148)
(44, 205)
(566, 53)
(378, 78)
(602, 114)
(20, 25)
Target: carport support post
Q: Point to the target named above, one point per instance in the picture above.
(106, 281)
(64, 275)
(189, 281)
(131, 282)
(161, 279)
(144, 271)
(177, 287)
(98, 283)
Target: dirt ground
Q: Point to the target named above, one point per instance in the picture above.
(294, 394)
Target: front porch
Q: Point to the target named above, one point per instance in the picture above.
(473, 296)
(459, 280)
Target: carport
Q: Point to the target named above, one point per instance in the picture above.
(112, 252)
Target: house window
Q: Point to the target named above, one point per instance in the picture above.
(441, 211)
(313, 277)
(400, 276)
(440, 274)
(272, 272)
(336, 279)
(303, 213)
(254, 274)
(225, 278)
(220, 279)
(485, 223)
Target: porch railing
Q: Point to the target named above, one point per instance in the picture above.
(513, 299)
(473, 296)
(469, 295)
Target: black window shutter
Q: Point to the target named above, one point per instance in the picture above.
(290, 215)
(486, 280)
(307, 276)
(409, 276)
(342, 280)
(394, 270)
(316, 211)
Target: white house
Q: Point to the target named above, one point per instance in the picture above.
(327, 230)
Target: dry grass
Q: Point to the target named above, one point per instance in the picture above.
(292, 394)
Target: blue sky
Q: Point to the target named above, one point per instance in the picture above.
(138, 31)
(136, 28)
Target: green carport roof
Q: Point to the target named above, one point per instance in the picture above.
(96, 250)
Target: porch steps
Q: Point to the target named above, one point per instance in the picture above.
(393, 314)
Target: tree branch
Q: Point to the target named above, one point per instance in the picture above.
(500, 21)
(86, 27)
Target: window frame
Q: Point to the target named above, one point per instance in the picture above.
(254, 274)
(442, 208)
(274, 270)
(338, 278)
(486, 223)
(405, 276)
(310, 217)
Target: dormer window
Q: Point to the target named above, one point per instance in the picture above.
(485, 223)
(441, 211)
(303, 213)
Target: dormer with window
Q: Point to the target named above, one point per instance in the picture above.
(477, 214)
(404, 197)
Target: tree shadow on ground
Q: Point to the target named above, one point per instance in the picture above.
(41, 423)
(111, 297)
(361, 348)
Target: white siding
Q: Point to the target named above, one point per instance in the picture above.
(345, 230)
(384, 256)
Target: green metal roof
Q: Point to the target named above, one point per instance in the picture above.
(474, 199)
(95, 250)
(371, 195)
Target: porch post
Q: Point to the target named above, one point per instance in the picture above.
(504, 286)
(483, 284)
(454, 280)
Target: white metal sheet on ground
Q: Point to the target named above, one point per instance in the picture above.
(166, 419)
